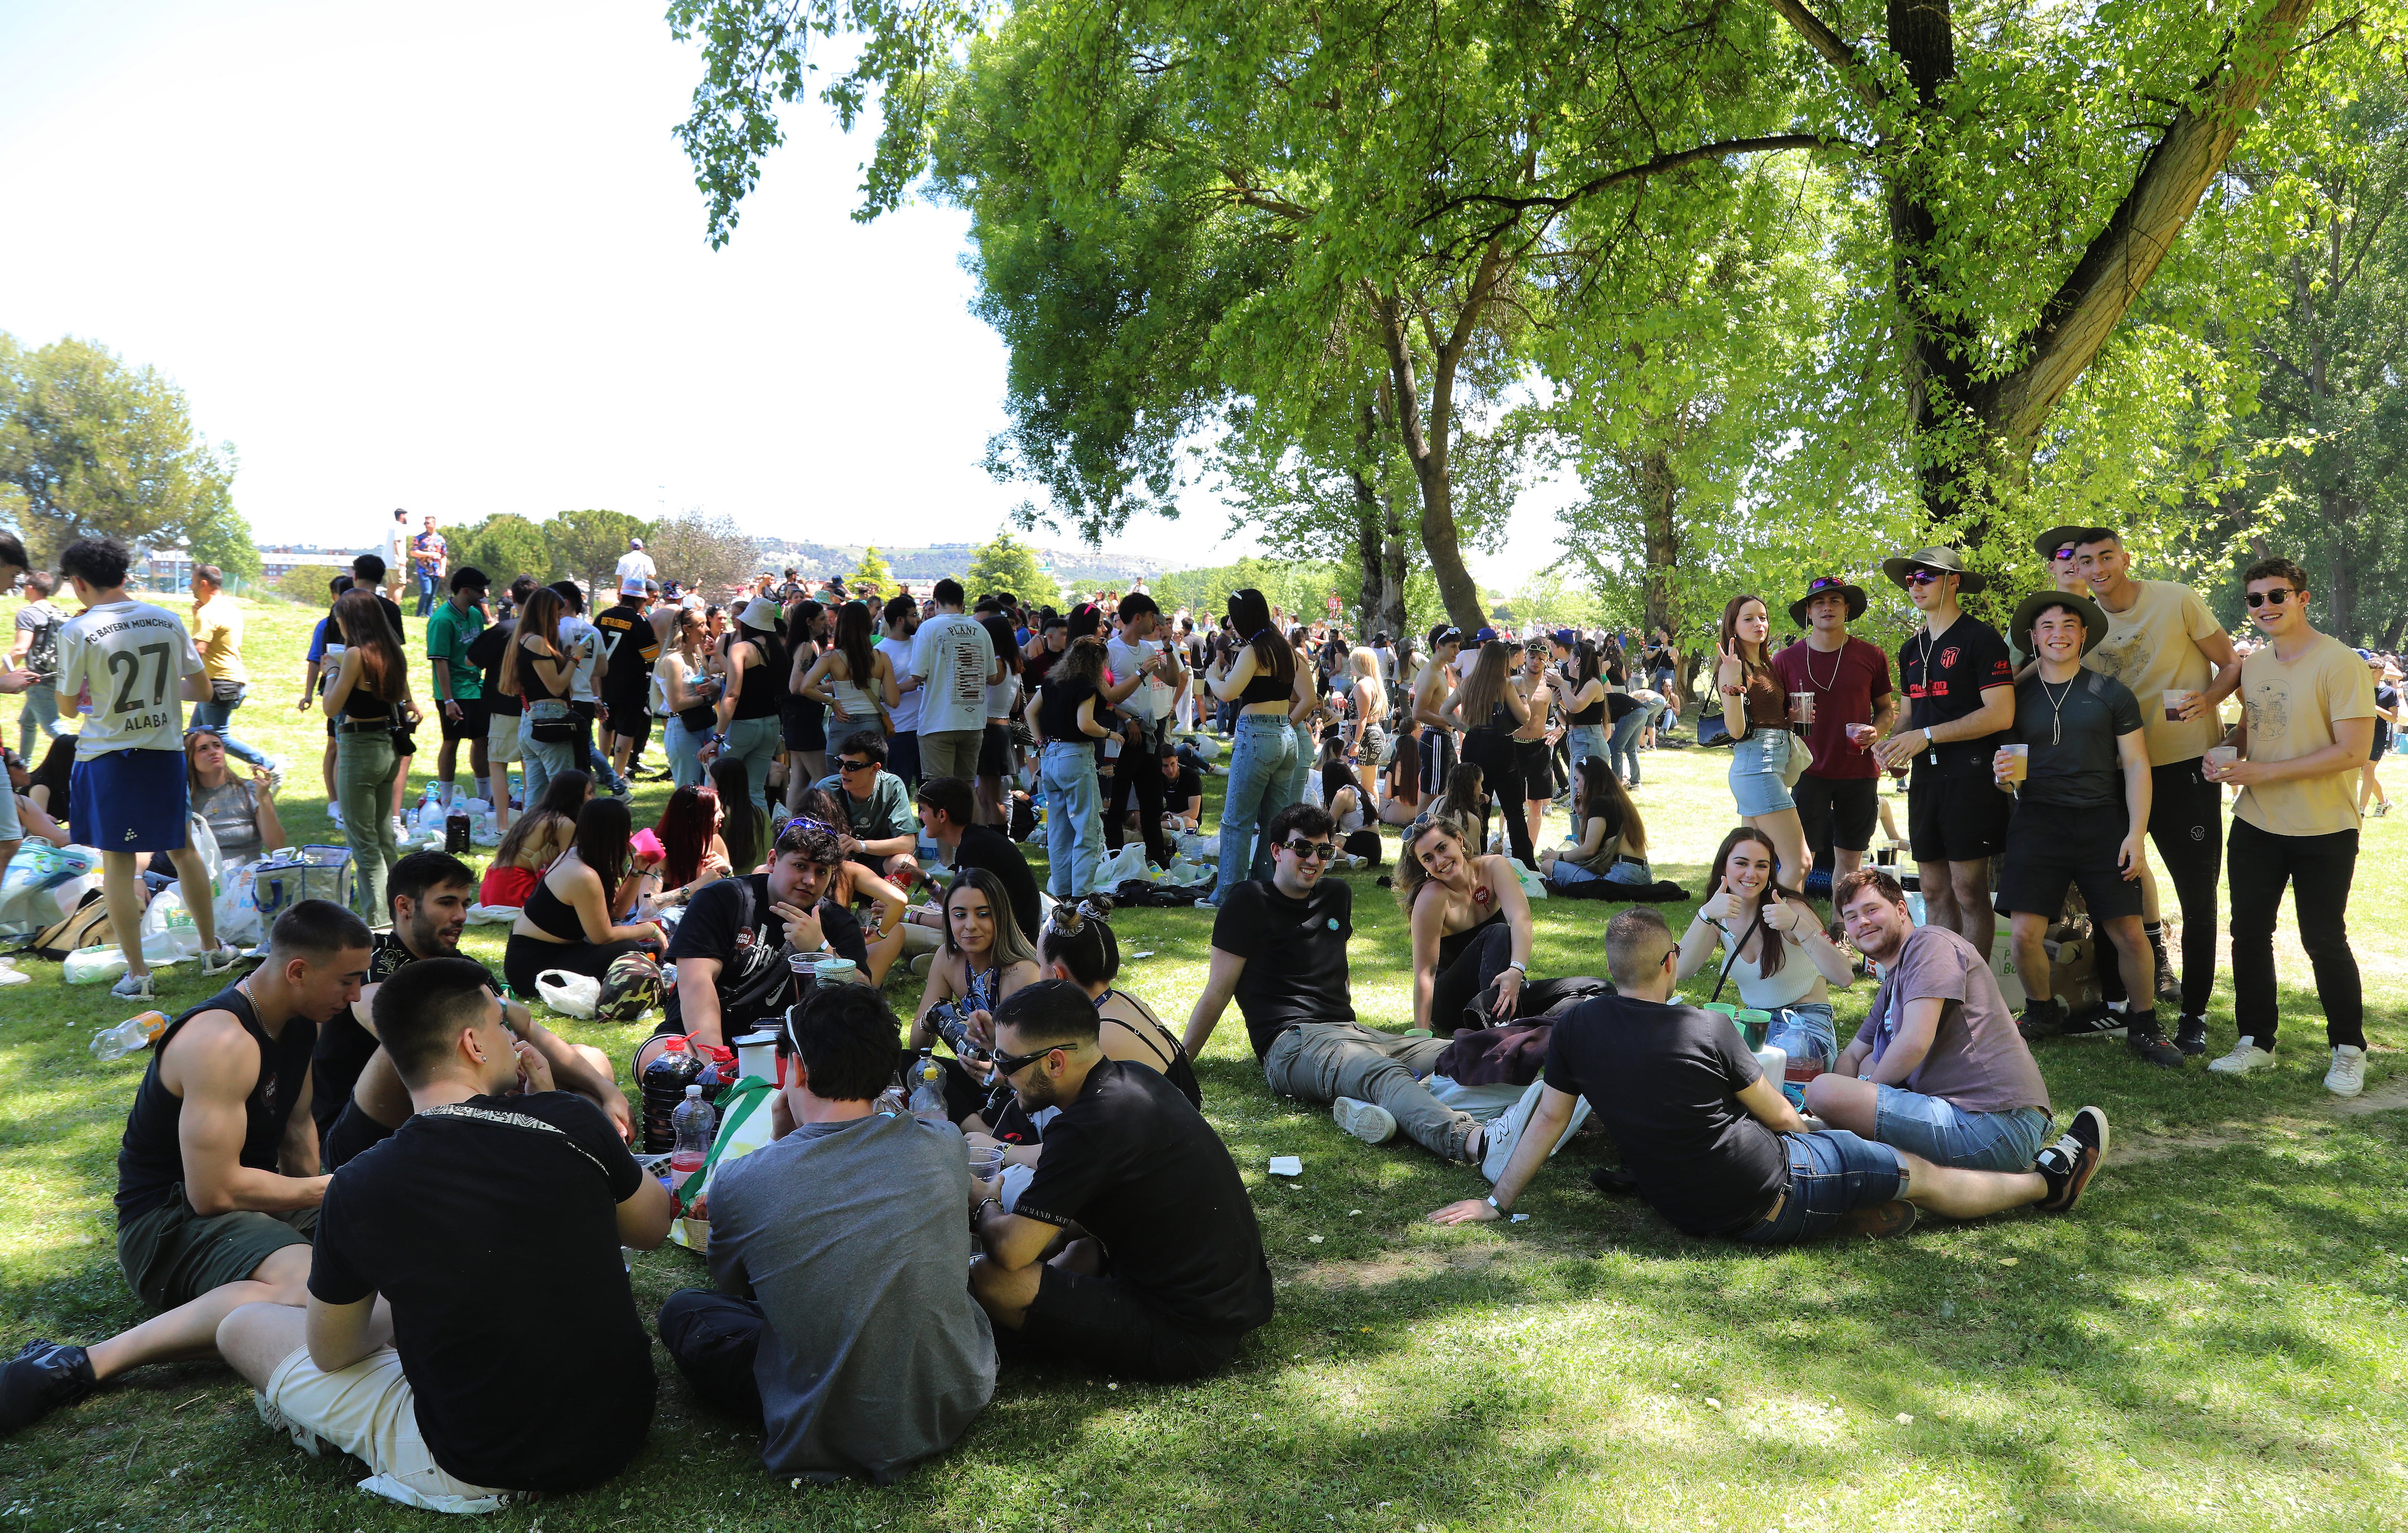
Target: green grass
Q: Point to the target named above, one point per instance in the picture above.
(2214, 1341)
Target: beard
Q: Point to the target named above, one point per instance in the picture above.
(1038, 1094)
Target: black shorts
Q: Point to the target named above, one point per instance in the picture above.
(802, 724)
(1537, 759)
(1955, 819)
(2050, 847)
(471, 725)
(629, 718)
(994, 749)
(1110, 1326)
(1850, 805)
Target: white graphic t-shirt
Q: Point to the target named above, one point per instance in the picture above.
(130, 658)
(954, 654)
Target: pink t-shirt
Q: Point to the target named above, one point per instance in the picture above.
(1978, 1061)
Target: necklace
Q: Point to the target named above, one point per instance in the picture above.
(1837, 656)
(2055, 711)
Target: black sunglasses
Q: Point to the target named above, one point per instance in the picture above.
(1013, 1064)
(1311, 851)
(854, 765)
(2269, 598)
(1924, 577)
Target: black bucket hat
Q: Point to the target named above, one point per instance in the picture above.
(2028, 611)
(1823, 585)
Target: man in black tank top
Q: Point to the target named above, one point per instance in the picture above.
(202, 1233)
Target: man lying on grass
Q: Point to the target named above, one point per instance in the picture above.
(417, 1354)
(1713, 1145)
(216, 1181)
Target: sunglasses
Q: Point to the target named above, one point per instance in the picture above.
(1013, 1064)
(1311, 851)
(854, 766)
(2269, 598)
(804, 821)
(1823, 582)
(1924, 577)
(2065, 554)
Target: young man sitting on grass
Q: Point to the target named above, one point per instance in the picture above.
(881, 836)
(218, 1186)
(484, 1210)
(1279, 949)
(1939, 1066)
(1715, 1148)
(841, 1326)
(1129, 1169)
(947, 809)
(358, 1096)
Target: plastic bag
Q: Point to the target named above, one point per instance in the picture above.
(1122, 865)
(743, 1127)
(95, 965)
(1205, 747)
(43, 884)
(238, 909)
(491, 915)
(570, 994)
(169, 931)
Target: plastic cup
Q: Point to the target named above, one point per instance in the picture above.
(1862, 736)
(2176, 699)
(986, 1162)
(1801, 707)
(2019, 763)
(2221, 756)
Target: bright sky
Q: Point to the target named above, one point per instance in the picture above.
(449, 257)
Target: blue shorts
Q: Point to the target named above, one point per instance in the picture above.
(130, 801)
(1830, 1174)
(1940, 1131)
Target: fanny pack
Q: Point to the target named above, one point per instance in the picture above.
(550, 723)
(228, 692)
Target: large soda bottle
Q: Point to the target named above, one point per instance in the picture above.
(697, 1125)
(131, 1035)
(673, 1070)
(928, 1091)
(718, 1071)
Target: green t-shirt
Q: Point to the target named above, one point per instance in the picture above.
(449, 632)
(885, 814)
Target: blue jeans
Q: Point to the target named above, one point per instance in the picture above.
(1074, 819)
(1621, 749)
(1940, 1131)
(1830, 1174)
(40, 711)
(685, 754)
(1262, 763)
(1633, 870)
(214, 714)
(754, 742)
(427, 593)
(540, 761)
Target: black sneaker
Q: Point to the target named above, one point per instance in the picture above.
(2190, 1036)
(1613, 1182)
(2069, 1165)
(39, 1380)
(2149, 1044)
(1879, 1222)
(2095, 1022)
(2041, 1019)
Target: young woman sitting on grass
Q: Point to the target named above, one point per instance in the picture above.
(535, 840)
(1401, 786)
(692, 853)
(571, 919)
(1470, 925)
(985, 958)
(742, 825)
(1779, 957)
(1612, 838)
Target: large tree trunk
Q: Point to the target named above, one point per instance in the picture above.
(1423, 429)
(1367, 564)
(1659, 496)
(1396, 568)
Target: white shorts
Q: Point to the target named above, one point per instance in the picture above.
(367, 1411)
(502, 739)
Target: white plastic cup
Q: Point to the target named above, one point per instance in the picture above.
(2221, 756)
(2175, 700)
(2019, 763)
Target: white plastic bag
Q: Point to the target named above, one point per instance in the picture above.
(491, 915)
(570, 994)
(1205, 747)
(168, 932)
(1128, 863)
(238, 909)
(43, 885)
(93, 965)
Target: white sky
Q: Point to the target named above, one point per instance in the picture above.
(449, 257)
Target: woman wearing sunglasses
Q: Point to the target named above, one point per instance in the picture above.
(983, 959)
(1470, 925)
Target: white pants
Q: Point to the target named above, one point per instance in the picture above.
(367, 1411)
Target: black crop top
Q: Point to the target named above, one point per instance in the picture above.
(1265, 687)
(531, 685)
(550, 915)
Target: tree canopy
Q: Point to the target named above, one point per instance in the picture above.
(1007, 564)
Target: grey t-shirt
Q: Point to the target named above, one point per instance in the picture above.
(1977, 1059)
(2071, 727)
(855, 1239)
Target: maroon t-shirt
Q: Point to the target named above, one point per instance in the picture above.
(1846, 685)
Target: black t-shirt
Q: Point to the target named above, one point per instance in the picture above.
(1183, 790)
(1057, 710)
(471, 1224)
(1295, 951)
(985, 847)
(2386, 696)
(1944, 679)
(1134, 1162)
(486, 652)
(629, 641)
(2072, 728)
(392, 616)
(717, 925)
(345, 1047)
(1664, 1080)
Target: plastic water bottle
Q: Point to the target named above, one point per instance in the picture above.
(131, 1035)
(696, 1122)
(928, 1091)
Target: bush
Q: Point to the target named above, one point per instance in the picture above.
(306, 584)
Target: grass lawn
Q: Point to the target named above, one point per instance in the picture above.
(2215, 1339)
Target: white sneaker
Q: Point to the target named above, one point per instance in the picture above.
(2245, 1056)
(220, 960)
(2347, 1077)
(1367, 1121)
(277, 771)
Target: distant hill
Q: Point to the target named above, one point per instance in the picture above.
(1076, 565)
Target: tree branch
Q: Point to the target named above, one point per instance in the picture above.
(1656, 166)
(2077, 319)
(1836, 50)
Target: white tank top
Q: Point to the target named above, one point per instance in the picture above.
(1787, 988)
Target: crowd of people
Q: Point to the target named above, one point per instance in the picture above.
(852, 784)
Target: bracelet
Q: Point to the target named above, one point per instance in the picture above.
(980, 1212)
(1492, 1202)
(1523, 969)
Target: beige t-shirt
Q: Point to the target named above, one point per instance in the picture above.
(2291, 711)
(217, 633)
(2150, 647)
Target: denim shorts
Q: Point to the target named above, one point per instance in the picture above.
(1940, 1131)
(1830, 1174)
(1757, 763)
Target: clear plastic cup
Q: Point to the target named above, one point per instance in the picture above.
(2019, 763)
(2176, 699)
(986, 1162)
(2220, 756)
(1801, 707)
(1862, 736)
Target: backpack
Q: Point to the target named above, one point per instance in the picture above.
(42, 656)
(86, 927)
